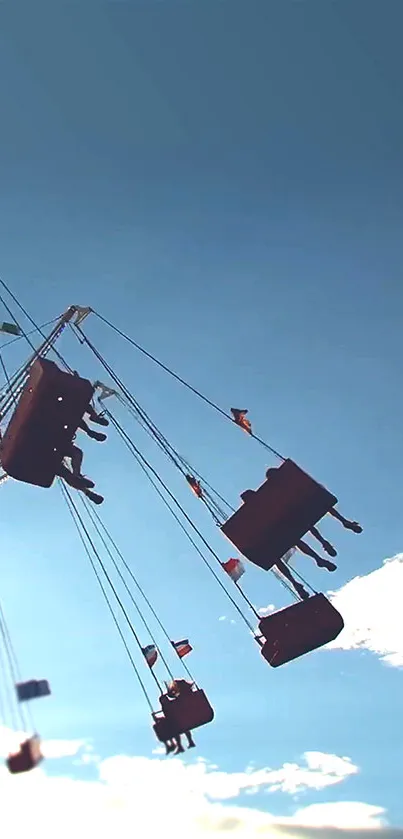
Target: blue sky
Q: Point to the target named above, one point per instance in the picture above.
(222, 180)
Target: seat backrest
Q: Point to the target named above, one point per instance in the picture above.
(16, 763)
(299, 629)
(26, 690)
(44, 422)
(278, 514)
(187, 711)
(27, 757)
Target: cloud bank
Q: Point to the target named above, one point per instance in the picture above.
(149, 797)
(371, 607)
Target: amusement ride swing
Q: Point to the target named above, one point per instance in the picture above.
(42, 406)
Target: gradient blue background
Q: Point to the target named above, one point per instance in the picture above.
(223, 180)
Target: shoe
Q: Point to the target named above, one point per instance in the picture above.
(354, 526)
(96, 435)
(330, 566)
(192, 745)
(179, 750)
(93, 496)
(302, 592)
(83, 482)
(329, 549)
(101, 421)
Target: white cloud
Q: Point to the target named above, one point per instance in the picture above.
(149, 796)
(266, 610)
(371, 608)
(343, 814)
(201, 778)
(10, 740)
(138, 796)
(321, 771)
(62, 748)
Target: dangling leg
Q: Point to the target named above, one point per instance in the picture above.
(321, 563)
(75, 481)
(169, 746)
(285, 571)
(178, 741)
(349, 525)
(325, 544)
(76, 456)
(94, 417)
(93, 496)
(95, 435)
(191, 742)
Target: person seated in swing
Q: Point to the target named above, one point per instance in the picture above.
(303, 547)
(327, 546)
(98, 419)
(94, 417)
(73, 475)
(177, 688)
(306, 549)
(75, 455)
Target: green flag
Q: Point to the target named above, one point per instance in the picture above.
(10, 328)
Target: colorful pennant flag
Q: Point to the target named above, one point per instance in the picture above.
(33, 689)
(234, 569)
(195, 485)
(182, 647)
(240, 419)
(150, 654)
(10, 328)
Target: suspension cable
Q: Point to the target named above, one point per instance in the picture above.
(183, 381)
(12, 662)
(8, 708)
(139, 413)
(7, 378)
(180, 462)
(97, 527)
(137, 455)
(31, 332)
(34, 324)
(19, 378)
(133, 448)
(17, 669)
(77, 518)
(129, 397)
(93, 513)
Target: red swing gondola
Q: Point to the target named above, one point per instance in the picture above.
(184, 713)
(27, 757)
(278, 514)
(299, 629)
(44, 423)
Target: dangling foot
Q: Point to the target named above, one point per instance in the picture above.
(329, 548)
(93, 496)
(330, 566)
(169, 747)
(301, 591)
(354, 526)
(83, 483)
(192, 745)
(101, 420)
(96, 435)
(179, 750)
